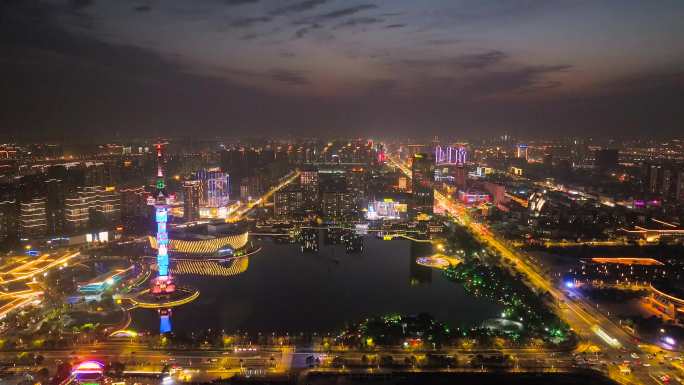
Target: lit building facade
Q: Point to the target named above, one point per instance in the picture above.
(309, 181)
(102, 202)
(200, 241)
(215, 188)
(191, 200)
(288, 203)
(77, 210)
(472, 197)
(451, 155)
(33, 218)
(387, 208)
(338, 204)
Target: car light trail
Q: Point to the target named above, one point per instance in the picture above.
(605, 337)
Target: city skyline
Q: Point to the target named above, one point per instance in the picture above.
(339, 256)
(341, 191)
(304, 67)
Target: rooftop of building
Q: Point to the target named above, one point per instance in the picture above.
(627, 261)
(207, 230)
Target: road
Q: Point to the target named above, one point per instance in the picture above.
(586, 321)
(23, 271)
(210, 364)
(247, 207)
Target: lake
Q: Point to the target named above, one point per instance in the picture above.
(286, 290)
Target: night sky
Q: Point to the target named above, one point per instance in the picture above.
(341, 67)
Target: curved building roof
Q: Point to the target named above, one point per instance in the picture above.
(206, 238)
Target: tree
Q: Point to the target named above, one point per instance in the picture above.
(386, 361)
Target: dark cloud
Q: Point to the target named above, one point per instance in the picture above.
(301, 32)
(346, 11)
(359, 21)
(437, 42)
(261, 34)
(475, 10)
(337, 14)
(480, 61)
(249, 21)
(396, 26)
(513, 80)
(240, 2)
(80, 4)
(297, 7)
(295, 78)
(143, 8)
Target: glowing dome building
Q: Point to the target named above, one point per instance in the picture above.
(213, 240)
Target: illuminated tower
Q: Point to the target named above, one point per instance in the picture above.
(163, 283)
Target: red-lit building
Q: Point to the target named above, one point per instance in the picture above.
(472, 197)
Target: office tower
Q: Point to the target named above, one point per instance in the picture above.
(606, 159)
(56, 194)
(451, 155)
(522, 151)
(215, 188)
(191, 200)
(423, 174)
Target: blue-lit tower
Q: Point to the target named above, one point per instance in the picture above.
(163, 283)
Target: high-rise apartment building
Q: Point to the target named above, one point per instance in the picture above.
(288, 202)
(77, 208)
(191, 200)
(664, 179)
(56, 194)
(92, 205)
(133, 201)
(8, 220)
(33, 218)
(309, 179)
(338, 201)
